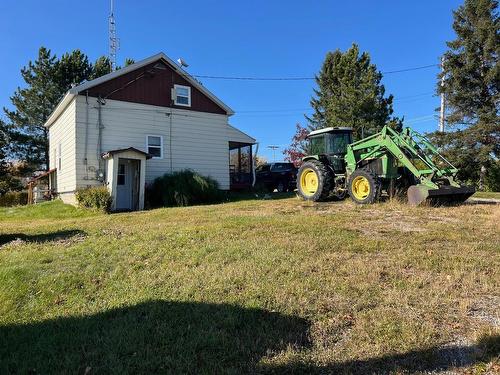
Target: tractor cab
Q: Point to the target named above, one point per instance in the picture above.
(331, 143)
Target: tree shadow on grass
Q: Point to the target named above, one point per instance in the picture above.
(150, 338)
(43, 237)
(441, 358)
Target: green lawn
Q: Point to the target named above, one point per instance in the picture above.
(251, 286)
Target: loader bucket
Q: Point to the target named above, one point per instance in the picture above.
(445, 195)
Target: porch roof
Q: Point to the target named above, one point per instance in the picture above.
(237, 136)
(234, 145)
(108, 154)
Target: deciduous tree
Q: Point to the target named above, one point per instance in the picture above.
(298, 148)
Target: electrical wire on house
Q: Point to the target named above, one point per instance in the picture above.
(171, 114)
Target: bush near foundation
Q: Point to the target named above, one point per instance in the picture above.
(95, 198)
(183, 188)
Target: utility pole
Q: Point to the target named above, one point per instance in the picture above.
(274, 148)
(441, 115)
(113, 40)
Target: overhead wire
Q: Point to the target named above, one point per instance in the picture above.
(249, 78)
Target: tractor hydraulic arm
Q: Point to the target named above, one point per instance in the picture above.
(408, 148)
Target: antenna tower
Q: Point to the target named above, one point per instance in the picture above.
(113, 40)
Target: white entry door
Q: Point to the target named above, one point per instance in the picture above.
(124, 185)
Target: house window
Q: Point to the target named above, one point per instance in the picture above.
(182, 95)
(59, 157)
(121, 175)
(154, 145)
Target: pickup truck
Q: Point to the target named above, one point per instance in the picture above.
(277, 176)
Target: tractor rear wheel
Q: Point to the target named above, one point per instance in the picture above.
(364, 186)
(314, 181)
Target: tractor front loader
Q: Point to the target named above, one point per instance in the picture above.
(396, 163)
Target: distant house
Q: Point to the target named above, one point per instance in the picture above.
(128, 127)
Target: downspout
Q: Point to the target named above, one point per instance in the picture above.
(172, 93)
(255, 163)
(99, 138)
(170, 142)
(85, 159)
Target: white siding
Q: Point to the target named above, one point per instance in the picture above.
(62, 136)
(194, 140)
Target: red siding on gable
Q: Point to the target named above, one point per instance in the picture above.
(149, 85)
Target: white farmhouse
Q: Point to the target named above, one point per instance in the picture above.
(128, 127)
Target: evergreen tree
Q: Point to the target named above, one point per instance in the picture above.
(471, 88)
(129, 61)
(350, 94)
(8, 182)
(33, 104)
(101, 67)
(47, 80)
(72, 69)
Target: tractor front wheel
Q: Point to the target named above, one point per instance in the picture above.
(314, 181)
(364, 186)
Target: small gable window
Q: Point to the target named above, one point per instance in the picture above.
(182, 95)
(154, 145)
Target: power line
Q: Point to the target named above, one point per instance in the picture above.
(424, 94)
(236, 78)
(275, 110)
(120, 109)
(416, 120)
(232, 78)
(410, 69)
(403, 99)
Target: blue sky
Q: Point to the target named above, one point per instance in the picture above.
(251, 38)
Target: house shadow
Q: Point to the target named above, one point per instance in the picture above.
(434, 359)
(43, 237)
(197, 338)
(151, 338)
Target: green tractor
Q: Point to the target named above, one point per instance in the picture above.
(393, 162)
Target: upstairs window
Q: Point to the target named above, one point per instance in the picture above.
(182, 95)
(154, 145)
